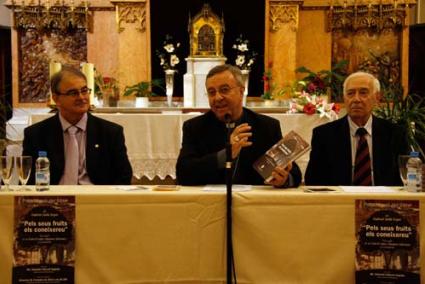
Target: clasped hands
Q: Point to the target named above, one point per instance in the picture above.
(240, 139)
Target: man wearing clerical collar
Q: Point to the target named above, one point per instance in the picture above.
(360, 148)
(82, 148)
(202, 155)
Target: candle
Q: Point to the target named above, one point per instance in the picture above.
(88, 70)
(54, 67)
(117, 16)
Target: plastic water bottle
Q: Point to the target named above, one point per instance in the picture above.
(414, 173)
(42, 172)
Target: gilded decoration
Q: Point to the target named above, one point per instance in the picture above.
(369, 37)
(375, 53)
(47, 31)
(206, 31)
(375, 17)
(37, 49)
(284, 12)
(46, 16)
(130, 13)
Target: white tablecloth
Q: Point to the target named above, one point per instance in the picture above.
(154, 140)
(279, 236)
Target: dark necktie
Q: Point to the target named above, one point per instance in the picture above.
(362, 167)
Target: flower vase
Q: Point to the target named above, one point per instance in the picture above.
(270, 103)
(106, 94)
(169, 85)
(141, 102)
(245, 78)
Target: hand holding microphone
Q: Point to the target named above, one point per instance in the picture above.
(240, 138)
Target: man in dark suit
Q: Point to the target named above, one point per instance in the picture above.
(94, 154)
(334, 145)
(202, 156)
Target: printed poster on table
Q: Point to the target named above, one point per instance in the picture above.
(44, 239)
(387, 233)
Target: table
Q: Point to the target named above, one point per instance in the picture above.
(154, 140)
(280, 236)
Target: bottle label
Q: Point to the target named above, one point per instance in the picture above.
(413, 180)
(42, 178)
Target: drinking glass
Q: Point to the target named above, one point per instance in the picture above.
(23, 166)
(402, 162)
(6, 168)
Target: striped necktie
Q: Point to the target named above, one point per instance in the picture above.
(362, 166)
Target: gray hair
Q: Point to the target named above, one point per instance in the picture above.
(375, 82)
(236, 72)
(57, 78)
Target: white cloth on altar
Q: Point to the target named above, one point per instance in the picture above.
(154, 140)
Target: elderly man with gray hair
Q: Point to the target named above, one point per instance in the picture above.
(360, 148)
(202, 156)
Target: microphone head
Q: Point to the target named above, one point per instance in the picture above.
(228, 120)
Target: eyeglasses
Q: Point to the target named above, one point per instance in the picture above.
(75, 92)
(224, 90)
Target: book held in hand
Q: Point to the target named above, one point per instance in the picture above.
(287, 150)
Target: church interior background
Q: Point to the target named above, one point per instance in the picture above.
(121, 40)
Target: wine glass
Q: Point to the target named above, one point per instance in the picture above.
(402, 162)
(6, 168)
(24, 165)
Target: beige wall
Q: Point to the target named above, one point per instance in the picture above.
(313, 44)
(420, 12)
(5, 17)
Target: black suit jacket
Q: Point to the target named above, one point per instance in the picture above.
(205, 135)
(106, 153)
(330, 157)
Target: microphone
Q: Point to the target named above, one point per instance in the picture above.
(229, 125)
(228, 121)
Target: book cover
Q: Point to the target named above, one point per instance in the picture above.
(287, 150)
(387, 234)
(44, 239)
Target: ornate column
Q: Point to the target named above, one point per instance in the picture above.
(132, 19)
(281, 39)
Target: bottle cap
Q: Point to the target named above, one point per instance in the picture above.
(42, 153)
(414, 154)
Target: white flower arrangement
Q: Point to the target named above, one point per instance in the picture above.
(310, 104)
(245, 58)
(168, 59)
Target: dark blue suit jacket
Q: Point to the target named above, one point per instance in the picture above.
(330, 157)
(106, 153)
(205, 135)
